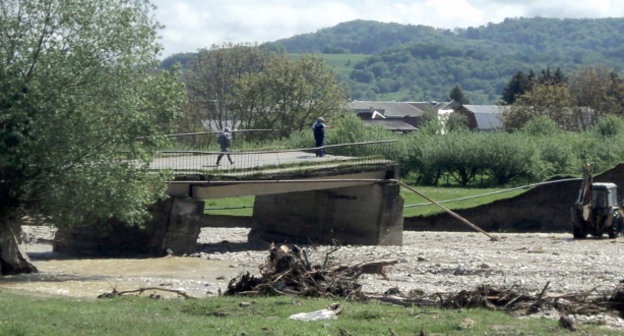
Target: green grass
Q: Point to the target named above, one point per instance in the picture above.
(440, 194)
(22, 314)
(230, 202)
(341, 63)
(436, 193)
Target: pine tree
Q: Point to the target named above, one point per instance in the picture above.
(457, 94)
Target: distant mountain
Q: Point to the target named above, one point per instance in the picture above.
(360, 37)
(407, 62)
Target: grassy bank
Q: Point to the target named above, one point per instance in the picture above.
(436, 193)
(22, 314)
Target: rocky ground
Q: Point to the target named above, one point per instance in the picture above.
(452, 261)
(442, 261)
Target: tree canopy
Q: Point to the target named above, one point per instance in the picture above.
(81, 105)
(251, 87)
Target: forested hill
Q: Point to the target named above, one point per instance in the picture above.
(422, 63)
(389, 61)
(520, 35)
(360, 37)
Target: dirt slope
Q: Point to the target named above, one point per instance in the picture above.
(542, 209)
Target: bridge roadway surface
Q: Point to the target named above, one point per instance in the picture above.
(196, 175)
(242, 161)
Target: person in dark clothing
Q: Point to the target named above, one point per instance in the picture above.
(225, 140)
(319, 135)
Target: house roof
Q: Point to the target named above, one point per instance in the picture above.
(488, 117)
(395, 125)
(395, 109)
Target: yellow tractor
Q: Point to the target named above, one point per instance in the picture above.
(596, 210)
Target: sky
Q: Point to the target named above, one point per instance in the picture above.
(191, 25)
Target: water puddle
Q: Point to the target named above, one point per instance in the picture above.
(197, 277)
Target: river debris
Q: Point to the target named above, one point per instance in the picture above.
(288, 270)
(515, 301)
(139, 291)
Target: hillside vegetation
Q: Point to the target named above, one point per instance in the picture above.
(407, 62)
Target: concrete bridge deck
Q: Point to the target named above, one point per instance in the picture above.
(192, 162)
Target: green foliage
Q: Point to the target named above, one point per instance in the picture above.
(359, 37)
(421, 63)
(82, 106)
(518, 85)
(540, 126)
(555, 101)
(457, 94)
(609, 126)
(348, 128)
(251, 87)
(427, 61)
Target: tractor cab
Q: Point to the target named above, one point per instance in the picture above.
(604, 195)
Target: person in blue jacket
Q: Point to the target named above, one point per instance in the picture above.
(319, 135)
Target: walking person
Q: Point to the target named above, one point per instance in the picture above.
(319, 135)
(225, 140)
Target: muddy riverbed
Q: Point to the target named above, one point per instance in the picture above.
(431, 262)
(428, 261)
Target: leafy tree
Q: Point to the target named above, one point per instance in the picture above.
(463, 157)
(540, 126)
(457, 94)
(509, 156)
(215, 79)
(609, 126)
(599, 88)
(290, 95)
(549, 78)
(78, 88)
(555, 101)
(256, 88)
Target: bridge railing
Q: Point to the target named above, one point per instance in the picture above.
(249, 162)
(205, 140)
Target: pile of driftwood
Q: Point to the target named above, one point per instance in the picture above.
(516, 302)
(289, 271)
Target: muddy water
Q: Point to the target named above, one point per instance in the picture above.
(198, 277)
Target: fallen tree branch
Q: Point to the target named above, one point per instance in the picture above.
(114, 293)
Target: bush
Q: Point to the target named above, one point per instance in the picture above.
(608, 126)
(508, 156)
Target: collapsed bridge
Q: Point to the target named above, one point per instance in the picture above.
(349, 196)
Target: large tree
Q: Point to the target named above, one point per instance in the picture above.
(457, 94)
(80, 110)
(555, 101)
(251, 87)
(599, 88)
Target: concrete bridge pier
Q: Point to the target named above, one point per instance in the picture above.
(370, 214)
(173, 229)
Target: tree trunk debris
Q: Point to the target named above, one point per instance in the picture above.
(115, 293)
(288, 271)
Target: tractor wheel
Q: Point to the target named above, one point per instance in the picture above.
(612, 231)
(578, 233)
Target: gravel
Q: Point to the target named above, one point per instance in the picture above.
(451, 261)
